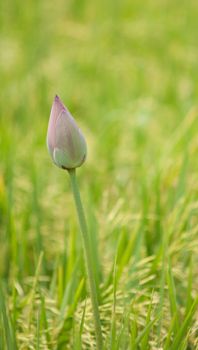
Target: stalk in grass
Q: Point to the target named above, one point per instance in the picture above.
(67, 147)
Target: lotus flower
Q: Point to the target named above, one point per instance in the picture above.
(65, 141)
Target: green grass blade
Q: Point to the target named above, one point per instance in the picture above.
(6, 324)
(172, 298)
(181, 334)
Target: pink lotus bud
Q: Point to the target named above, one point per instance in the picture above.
(65, 142)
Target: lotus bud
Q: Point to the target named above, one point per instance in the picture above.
(65, 141)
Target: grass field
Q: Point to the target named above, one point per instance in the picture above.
(128, 72)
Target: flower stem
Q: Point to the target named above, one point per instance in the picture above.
(87, 254)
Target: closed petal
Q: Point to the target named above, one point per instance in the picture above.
(56, 110)
(69, 139)
(65, 141)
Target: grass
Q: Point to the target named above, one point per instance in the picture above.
(128, 73)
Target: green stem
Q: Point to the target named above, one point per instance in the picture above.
(87, 254)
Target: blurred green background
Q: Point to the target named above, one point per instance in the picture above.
(127, 71)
